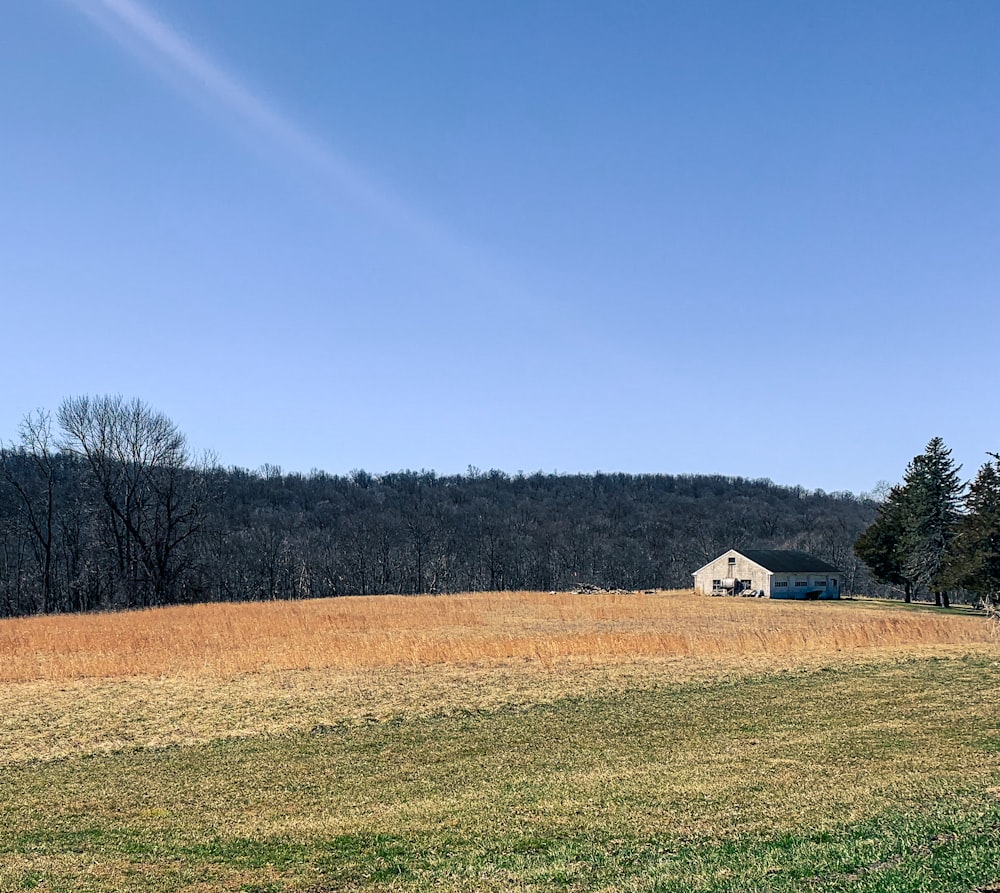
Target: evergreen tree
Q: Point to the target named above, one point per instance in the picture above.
(978, 536)
(932, 497)
(880, 547)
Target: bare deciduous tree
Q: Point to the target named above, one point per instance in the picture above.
(137, 459)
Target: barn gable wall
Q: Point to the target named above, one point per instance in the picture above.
(741, 569)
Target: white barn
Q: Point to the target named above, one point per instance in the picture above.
(770, 573)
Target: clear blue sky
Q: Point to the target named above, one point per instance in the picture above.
(747, 238)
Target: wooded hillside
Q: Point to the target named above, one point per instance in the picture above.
(113, 513)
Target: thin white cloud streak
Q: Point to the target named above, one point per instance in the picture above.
(162, 48)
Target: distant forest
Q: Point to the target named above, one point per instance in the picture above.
(102, 507)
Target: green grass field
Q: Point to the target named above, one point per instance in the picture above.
(866, 777)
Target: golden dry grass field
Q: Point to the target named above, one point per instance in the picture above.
(501, 741)
(73, 683)
(483, 628)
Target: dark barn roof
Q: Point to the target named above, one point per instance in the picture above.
(787, 561)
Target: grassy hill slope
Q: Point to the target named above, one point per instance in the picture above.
(866, 768)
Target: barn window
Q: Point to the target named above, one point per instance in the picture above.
(780, 583)
(801, 582)
(732, 559)
(821, 582)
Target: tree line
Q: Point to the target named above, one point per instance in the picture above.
(934, 531)
(102, 506)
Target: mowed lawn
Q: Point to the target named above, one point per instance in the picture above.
(855, 767)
